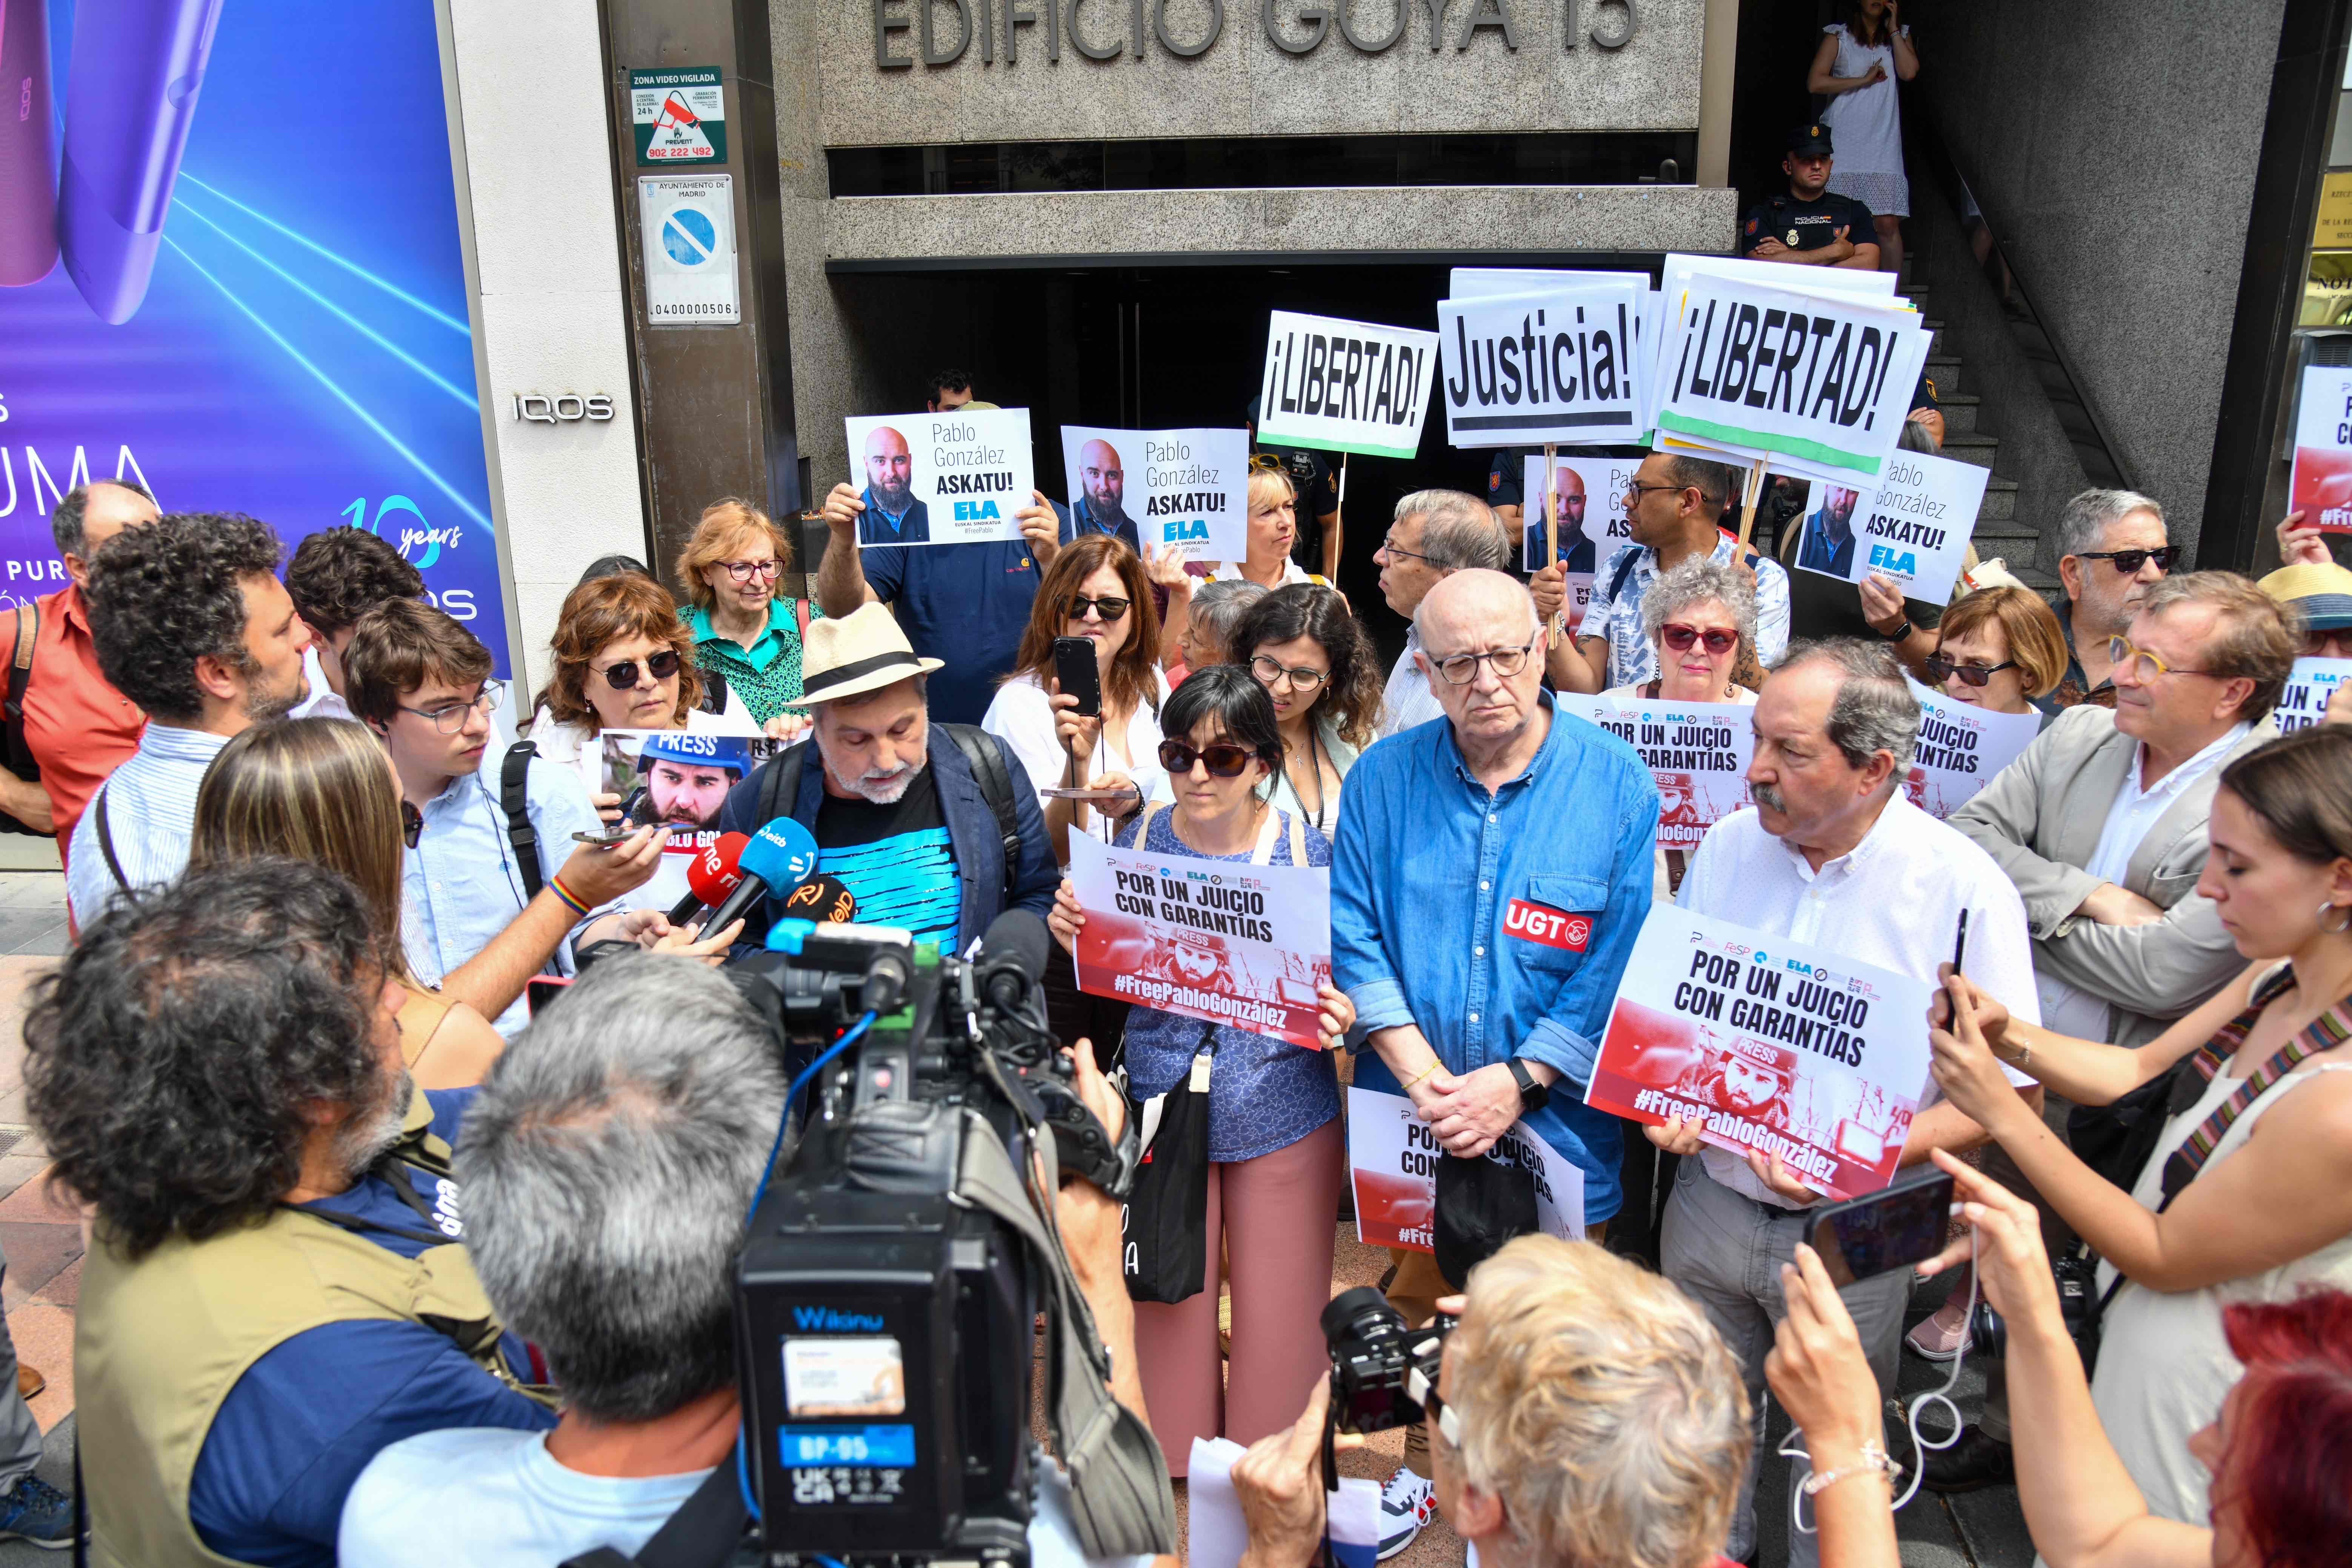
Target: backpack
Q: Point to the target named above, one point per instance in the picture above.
(779, 783)
(514, 779)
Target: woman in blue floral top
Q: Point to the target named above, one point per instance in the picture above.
(1274, 1141)
(744, 631)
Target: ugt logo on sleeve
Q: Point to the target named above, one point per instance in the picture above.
(1533, 922)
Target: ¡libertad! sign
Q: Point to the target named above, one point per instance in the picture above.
(996, 24)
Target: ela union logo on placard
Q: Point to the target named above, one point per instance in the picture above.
(1533, 922)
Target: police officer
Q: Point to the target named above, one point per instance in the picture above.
(1809, 226)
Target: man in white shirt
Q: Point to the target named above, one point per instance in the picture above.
(337, 575)
(1436, 533)
(1830, 853)
(189, 621)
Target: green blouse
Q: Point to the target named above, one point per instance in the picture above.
(767, 675)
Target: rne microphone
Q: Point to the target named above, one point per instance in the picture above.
(713, 875)
(778, 858)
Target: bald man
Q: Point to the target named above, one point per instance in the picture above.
(1575, 545)
(1101, 503)
(892, 515)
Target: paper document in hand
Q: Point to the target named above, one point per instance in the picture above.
(1769, 1045)
(1393, 1159)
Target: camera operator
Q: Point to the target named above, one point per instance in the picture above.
(273, 1289)
(2277, 1453)
(1602, 1423)
(609, 1163)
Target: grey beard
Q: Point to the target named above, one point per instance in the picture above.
(368, 1137)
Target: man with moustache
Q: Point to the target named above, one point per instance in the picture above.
(892, 515)
(1576, 550)
(1101, 505)
(1828, 543)
(685, 784)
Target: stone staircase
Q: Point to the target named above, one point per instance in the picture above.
(1999, 533)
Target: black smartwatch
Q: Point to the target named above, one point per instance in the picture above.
(1533, 1091)
(1903, 628)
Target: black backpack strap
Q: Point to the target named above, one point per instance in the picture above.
(714, 690)
(705, 1530)
(105, 843)
(780, 785)
(20, 667)
(514, 799)
(996, 780)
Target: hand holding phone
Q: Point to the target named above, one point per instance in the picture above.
(1079, 675)
(1895, 1228)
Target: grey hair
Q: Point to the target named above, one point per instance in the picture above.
(2087, 517)
(66, 522)
(1218, 609)
(605, 1168)
(1458, 530)
(1874, 711)
(1917, 438)
(1694, 581)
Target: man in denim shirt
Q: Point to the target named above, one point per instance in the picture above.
(1490, 876)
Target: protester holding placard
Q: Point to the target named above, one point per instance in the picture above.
(744, 632)
(1833, 854)
(2112, 547)
(2245, 1191)
(1433, 534)
(1526, 836)
(1674, 505)
(2000, 650)
(1306, 649)
(1273, 1132)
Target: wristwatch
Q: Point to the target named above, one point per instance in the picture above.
(1533, 1091)
(1903, 628)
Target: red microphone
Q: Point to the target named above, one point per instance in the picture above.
(714, 874)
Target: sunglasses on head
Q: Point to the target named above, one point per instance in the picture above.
(1110, 608)
(623, 676)
(1941, 669)
(1223, 759)
(1679, 636)
(2130, 561)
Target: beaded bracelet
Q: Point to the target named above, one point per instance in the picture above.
(555, 885)
(1874, 1458)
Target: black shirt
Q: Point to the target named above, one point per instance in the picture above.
(895, 858)
(1806, 225)
(1507, 476)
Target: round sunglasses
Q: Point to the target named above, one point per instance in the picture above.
(1679, 636)
(1223, 759)
(1941, 669)
(623, 676)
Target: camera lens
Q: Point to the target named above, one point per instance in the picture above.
(1362, 1303)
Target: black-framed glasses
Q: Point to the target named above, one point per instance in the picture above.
(1462, 669)
(1389, 546)
(744, 571)
(1637, 490)
(412, 825)
(1223, 759)
(2128, 562)
(623, 676)
(1270, 671)
(2145, 666)
(450, 717)
(1110, 608)
(1941, 669)
(1679, 635)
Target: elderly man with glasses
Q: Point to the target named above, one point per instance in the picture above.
(1435, 535)
(494, 889)
(2112, 548)
(1481, 943)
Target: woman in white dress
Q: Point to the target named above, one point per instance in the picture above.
(1859, 62)
(2248, 1195)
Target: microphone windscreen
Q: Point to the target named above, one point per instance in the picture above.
(822, 898)
(715, 872)
(1020, 938)
(783, 854)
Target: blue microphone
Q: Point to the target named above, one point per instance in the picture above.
(780, 858)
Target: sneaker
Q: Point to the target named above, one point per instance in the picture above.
(1407, 1502)
(1939, 1336)
(37, 1511)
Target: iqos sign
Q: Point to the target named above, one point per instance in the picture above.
(563, 408)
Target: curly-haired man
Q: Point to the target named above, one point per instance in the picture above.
(190, 622)
(274, 1291)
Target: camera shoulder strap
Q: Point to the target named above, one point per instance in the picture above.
(1119, 1492)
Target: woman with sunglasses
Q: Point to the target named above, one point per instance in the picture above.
(1698, 616)
(623, 661)
(1096, 589)
(1316, 664)
(2000, 650)
(1274, 1144)
(744, 631)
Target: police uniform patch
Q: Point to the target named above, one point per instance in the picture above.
(1792, 237)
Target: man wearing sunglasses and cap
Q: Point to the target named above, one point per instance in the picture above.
(931, 827)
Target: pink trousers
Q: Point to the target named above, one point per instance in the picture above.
(1275, 1215)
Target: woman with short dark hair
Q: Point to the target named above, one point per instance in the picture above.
(1306, 649)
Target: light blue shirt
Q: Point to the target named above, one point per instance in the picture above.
(460, 886)
(473, 1498)
(151, 816)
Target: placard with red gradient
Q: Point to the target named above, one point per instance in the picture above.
(1393, 1162)
(1772, 1045)
(2321, 485)
(1228, 941)
(1698, 753)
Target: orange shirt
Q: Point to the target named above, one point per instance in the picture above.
(77, 725)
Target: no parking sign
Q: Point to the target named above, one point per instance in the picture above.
(688, 229)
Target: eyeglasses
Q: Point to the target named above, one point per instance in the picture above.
(1941, 669)
(623, 676)
(1389, 545)
(1268, 671)
(1110, 608)
(1679, 637)
(450, 717)
(2145, 666)
(1462, 669)
(1223, 759)
(412, 825)
(744, 571)
(1637, 490)
(2130, 561)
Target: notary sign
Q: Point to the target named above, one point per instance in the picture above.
(1698, 751)
(1913, 528)
(1818, 384)
(1554, 366)
(941, 479)
(1181, 488)
(1344, 387)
